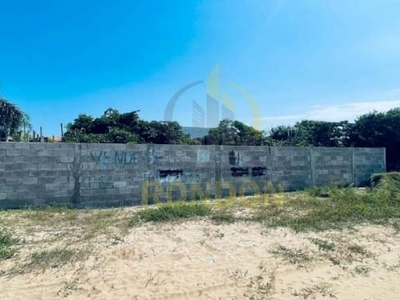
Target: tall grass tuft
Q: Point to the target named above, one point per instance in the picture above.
(6, 242)
(170, 211)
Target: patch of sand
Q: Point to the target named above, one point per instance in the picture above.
(202, 260)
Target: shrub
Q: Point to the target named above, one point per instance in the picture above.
(6, 243)
(389, 178)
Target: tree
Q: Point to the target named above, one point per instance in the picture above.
(106, 129)
(231, 132)
(82, 121)
(283, 136)
(156, 132)
(12, 118)
(114, 127)
(321, 134)
(25, 128)
(377, 129)
(312, 133)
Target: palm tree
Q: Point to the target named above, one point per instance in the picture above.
(22, 135)
(11, 118)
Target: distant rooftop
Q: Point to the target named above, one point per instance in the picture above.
(196, 132)
(35, 139)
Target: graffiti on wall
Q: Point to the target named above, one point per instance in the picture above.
(258, 171)
(239, 172)
(236, 159)
(167, 176)
(115, 158)
(255, 171)
(153, 156)
(123, 158)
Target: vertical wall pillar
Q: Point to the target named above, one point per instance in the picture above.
(312, 166)
(41, 135)
(384, 160)
(353, 167)
(217, 178)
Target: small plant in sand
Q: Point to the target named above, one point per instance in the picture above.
(357, 249)
(69, 288)
(154, 280)
(293, 256)
(323, 244)
(312, 291)
(223, 211)
(238, 275)
(262, 286)
(361, 270)
(7, 241)
(47, 259)
(396, 226)
(347, 254)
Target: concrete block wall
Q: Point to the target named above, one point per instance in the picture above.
(101, 175)
(331, 166)
(365, 162)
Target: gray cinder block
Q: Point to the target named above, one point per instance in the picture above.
(110, 174)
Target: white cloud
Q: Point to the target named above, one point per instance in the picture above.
(349, 111)
(282, 118)
(339, 112)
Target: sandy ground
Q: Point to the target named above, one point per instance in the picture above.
(202, 260)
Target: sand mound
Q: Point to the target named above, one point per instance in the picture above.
(202, 260)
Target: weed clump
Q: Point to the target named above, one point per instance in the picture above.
(392, 178)
(170, 211)
(345, 207)
(55, 258)
(6, 242)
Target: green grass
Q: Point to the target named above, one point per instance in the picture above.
(7, 241)
(50, 214)
(100, 222)
(343, 208)
(323, 245)
(293, 256)
(170, 211)
(91, 222)
(313, 210)
(396, 226)
(312, 291)
(56, 258)
(362, 270)
(337, 208)
(391, 177)
(357, 249)
(223, 217)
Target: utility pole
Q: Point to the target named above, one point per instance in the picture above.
(62, 130)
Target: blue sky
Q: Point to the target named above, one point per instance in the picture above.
(308, 59)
